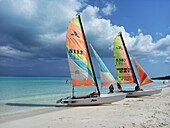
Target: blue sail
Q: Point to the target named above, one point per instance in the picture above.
(105, 75)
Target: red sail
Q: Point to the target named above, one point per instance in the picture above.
(143, 77)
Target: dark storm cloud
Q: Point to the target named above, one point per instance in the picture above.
(35, 28)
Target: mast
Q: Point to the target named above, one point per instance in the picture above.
(88, 53)
(128, 57)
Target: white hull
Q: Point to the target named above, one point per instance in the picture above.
(102, 99)
(143, 93)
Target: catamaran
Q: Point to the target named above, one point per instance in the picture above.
(125, 72)
(81, 69)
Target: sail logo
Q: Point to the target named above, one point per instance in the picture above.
(127, 79)
(76, 51)
(120, 61)
(75, 34)
(93, 100)
(123, 70)
(119, 47)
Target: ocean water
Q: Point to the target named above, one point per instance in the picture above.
(19, 94)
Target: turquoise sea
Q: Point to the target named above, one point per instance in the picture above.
(23, 93)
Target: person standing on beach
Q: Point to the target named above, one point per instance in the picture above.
(137, 88)
(111, 88)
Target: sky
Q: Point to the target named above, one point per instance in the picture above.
(33, 34)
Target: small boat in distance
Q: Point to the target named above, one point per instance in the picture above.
(125, 72)
(81, 69)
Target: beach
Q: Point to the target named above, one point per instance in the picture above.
(149, 111)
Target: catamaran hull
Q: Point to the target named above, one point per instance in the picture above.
(102, 99)
(143, 93)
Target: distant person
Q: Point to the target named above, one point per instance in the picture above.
(111, 88)
(163, 82)
(66, 81)
(119, 86)
(137, 88)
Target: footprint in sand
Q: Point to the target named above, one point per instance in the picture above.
(140, 100)
(126, 104)
(61, 118)
(133, 124)
(84, 119)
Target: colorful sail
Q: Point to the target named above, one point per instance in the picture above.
(78, 57)
(143, 77)
(105, 76)
(122, 62)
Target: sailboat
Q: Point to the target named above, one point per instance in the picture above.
(125, 71)
(81, 69)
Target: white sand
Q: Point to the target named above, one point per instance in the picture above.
(151, 111)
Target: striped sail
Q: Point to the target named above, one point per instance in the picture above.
(143, 77)
(78, 57)
(105, 76)
(123, 66)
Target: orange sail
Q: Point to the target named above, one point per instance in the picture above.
(78, 56)
(143, 77)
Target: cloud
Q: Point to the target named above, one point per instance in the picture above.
(24, 7)
(101, 33)
(143, 46)
(159, 34)
(34, 27)
(162, 47)
(11, 52)
(153, 61)
(132, 33)
(109, 8)
(167, 60)
(139, 30)
(37, 30)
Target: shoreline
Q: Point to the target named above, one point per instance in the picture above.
(148, 111)
(30, 113)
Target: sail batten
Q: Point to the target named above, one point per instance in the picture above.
(105, 75)
(143, 77)
(122, 62)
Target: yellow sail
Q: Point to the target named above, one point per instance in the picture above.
(122, 62)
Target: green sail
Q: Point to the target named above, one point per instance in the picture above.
(123, 66)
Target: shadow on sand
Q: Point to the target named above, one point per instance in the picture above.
(33, 105)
